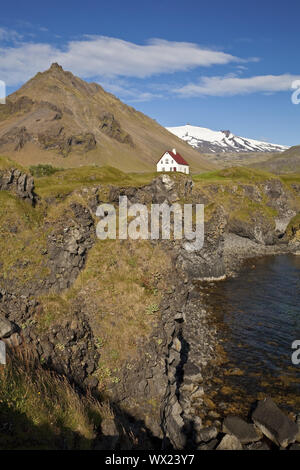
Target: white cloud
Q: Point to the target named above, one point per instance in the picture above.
(124, 90)
(9, 35)
(18, 64)
(99, 56)
(111, 56)
(233, 85)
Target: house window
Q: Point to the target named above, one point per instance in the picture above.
(167, 161)
(163, 169)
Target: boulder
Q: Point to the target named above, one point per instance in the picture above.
(192, 373)
(274, 424)
(206, 434)
(7, 328)
(245, 432)
(211, 445)
(230, 442)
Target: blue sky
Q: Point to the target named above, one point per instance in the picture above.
(223, 65)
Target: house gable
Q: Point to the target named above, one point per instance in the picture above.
(172, 161)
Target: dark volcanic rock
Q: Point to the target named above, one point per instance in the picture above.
(17, 308)
(21, 105)
(84, 142)
(18, 136)
(206, 434)
(274, 423)
(68, 349)
(18, 183)
(55, 138)
(259, 228)
(245, 432)
(230, 442)
(192, 373)
(68, 245)
(7, 328)
(111, 127)
(208, 261)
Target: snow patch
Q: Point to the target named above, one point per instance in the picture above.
(208, 140)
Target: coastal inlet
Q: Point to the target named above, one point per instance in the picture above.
(257, 315)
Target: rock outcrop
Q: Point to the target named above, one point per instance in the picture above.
(17, 136)
(69, 349)
(111, 127)
(68, 245)
(20, 184)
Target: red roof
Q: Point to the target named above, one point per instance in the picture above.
(177, 157)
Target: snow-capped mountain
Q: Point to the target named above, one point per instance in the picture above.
(209, 141)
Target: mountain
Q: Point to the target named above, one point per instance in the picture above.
(209, 141)
(286, 162)
(59, 119)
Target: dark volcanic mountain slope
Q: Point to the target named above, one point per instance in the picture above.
(60, 119)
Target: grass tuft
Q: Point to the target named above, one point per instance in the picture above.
(41, 410)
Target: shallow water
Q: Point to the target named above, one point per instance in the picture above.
(258, 315)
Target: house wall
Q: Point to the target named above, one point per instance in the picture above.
(167, 163)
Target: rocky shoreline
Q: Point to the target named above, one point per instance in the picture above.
(198, 360)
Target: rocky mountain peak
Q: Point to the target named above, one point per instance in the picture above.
(56, 66)
(57, 114)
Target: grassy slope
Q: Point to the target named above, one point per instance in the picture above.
(286, 162)
(65, 181)
(6, 163)
(21, 239)
(241, 174)
(293, 229)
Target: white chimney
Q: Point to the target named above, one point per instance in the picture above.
(174, 151)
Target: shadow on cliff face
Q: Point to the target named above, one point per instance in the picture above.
(40, 409)
(132, 434)
(18, 432)
(189, 429)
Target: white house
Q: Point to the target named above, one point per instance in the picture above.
(173, 161)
